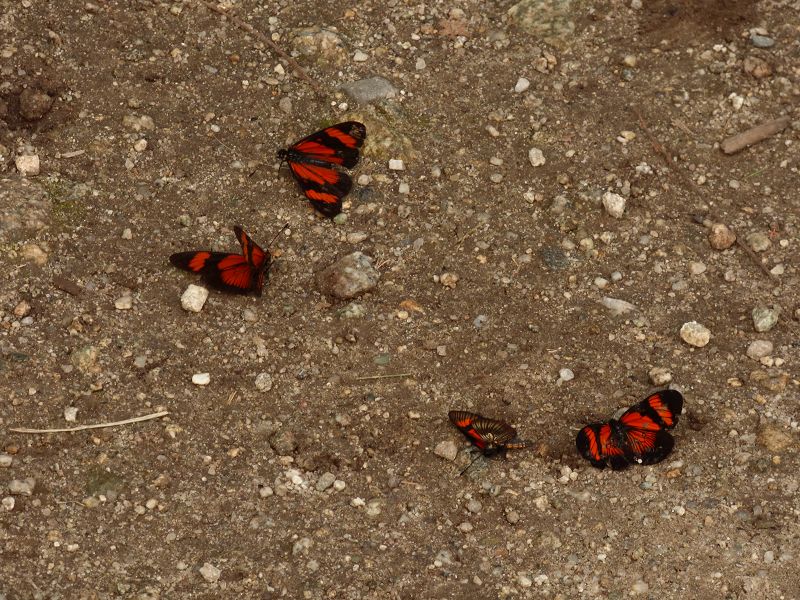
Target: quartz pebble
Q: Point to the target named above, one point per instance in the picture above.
(123, 303)
(614, 204)
(695, 334)
(536, 157)
(6, 460)
(8, 503)
(348, 277)
(522, 85)
(263, 382)
(617, 306)
(22, 487)
(565, 375)
(27, 165)
(201, 378)
(758, 241)
(360, 56)
(395, 164)
(660, 376)
(210, 573)
(70, 414)
(194, 298)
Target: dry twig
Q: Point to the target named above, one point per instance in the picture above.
(756, 134)
(266, 39)
(95, 426)
(383, 376)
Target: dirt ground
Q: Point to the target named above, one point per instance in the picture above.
(300, 470)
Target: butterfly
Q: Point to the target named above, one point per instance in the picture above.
(639, 436)
(491, 436)
(237, 273)
(317, 161)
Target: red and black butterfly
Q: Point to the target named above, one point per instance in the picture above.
(639, 436)
(491, 436)
(237, 273)
(317, 161)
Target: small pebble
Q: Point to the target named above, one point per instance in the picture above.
(210, 573)
(566, 375)
(22, 309)
(123, 303)
(522, 85)
(28, 166)
(263, 382)
(721, 237)
(474, 506)
(360, 56)
(420, 64)
(758, 349)
(695, 334)
(140, 145)
(201, 378)
(764, 318)
(617, 306)
(614, 204)
(536, 157)
(761, 41)
(70, 413)
(660, 376)
(758, 241)
(22, 487)
(395, 164)
(6, 460)
(697, 268)
(356, 237)
(404, 188)
(8, 503)
(127, 234)
(194, 298)
(524, 580)
(325, 481)
(447, 450)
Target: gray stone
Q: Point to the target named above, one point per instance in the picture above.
(695, 334)
(22, 487)
(210, 573)
(547, 19)
(369, 90)
(325, 481)
(283, 443)
(765, 318)
(758, 349)
(447, 450)
(758, 241)
(348, 277)
(761, 41)
(617, 306)
(34, 104)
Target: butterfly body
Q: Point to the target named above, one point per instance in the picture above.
(236, 273)
(491, 436)
(639, 436)
(317, 162)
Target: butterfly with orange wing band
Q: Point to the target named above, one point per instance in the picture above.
(639, 436)
(317, 163)
(236, 273)
(491, 436)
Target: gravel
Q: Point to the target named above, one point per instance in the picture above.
(758, 349)
(194, 298)
(349, 277)
(765, 318)
(536, 157)
(614, 204)
(695, 334)
(447, 450)
(365, 91)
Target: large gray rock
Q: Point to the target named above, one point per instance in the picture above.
(369, 90)
(348, 277)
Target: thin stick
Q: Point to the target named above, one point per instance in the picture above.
(95, 426)
(472, 462)
(275, 237)
(657, 146)
(383, 376)
(253, 31)
(752, 255)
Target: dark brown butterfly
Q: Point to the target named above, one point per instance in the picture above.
(491, 436)
(237, 273)
(317, 161)
(639, 436)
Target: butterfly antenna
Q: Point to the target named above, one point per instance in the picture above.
(275, 237)
(472, 462)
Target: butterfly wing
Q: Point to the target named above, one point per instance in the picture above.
(220, 270)
(465, 422)
(338, 144)
(499, 432)
(597, 444)
(255, 256)
(323, 186)
(644, 426)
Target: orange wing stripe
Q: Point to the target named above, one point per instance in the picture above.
(322, 196)
(314, 148)
(347, 139)
(237, 276)
(232, 261)
(199, 261)
(316, 174)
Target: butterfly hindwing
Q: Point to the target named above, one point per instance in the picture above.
(235, 273)
(489, 435)
(316, 162)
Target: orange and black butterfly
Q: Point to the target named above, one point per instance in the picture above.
(237, 273)
(639, 436)
(317, 161)
(491, 436)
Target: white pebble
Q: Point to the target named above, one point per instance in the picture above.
(194, 298)
(695, 334)
(395, 164)
(566, 375)
(123, 303)
(263, 382)
(660, 376)
(360, 56)
(28, 166)
(420, 64)
(140, 145)
(201, 378)
(210, 573)
(617, 306)
(536, 157)
(614, 204)
(522, 85)
(70, 413)
(127, 234)
(759, 349)
(404, 188)
(8, 503)
(6, 460)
